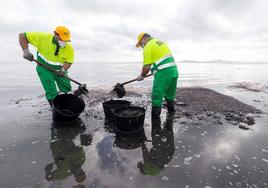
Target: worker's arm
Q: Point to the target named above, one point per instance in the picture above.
(25, 48)
(69, 58)
(145, 70)
(23, 41)
(66, 66)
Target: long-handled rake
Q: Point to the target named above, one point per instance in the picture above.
(119, 89)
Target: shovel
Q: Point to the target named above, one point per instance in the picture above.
(119, 89)
(82, 87)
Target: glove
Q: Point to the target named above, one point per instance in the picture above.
(62, 72)
(140, 78)
(27, 54)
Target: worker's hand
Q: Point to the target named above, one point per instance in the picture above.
(27, 54)
(62, 72)
(140, 78)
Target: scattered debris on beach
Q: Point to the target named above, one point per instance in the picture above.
(202, 103)
(193, 106)
(249, 86)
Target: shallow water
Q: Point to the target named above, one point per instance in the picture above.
(207, 154)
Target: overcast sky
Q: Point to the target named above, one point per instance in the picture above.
(106, 30)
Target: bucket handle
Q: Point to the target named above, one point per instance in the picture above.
(63, 114)
(145, 107)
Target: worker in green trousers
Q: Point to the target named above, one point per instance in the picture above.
(158, 59)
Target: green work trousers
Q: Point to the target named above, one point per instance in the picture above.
(164, 89)
(49, 80)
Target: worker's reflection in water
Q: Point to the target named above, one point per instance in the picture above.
(162, 150)
(67, 150)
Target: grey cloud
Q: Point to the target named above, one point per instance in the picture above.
(197, 20)
(106, 37)
(101, 26)
(27, 25)
(103, 41)
(120, 8)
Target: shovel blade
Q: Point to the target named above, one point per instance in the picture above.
(82, 89)
(119, 90)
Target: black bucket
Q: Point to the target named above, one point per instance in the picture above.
(113, 104)
(66, 109)
(129, 119)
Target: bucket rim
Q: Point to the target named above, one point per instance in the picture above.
(75, 114)
(67, 115)
(109, 101)
(114, 111)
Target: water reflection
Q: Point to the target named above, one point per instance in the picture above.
(162, 151)
(125, 141)
(67, 151)
(130, 141)
(109, 126)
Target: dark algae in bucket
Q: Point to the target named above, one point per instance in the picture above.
(130, 112)
(110, 105)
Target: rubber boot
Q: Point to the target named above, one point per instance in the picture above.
(171, 110)
(168, 124)
(156, 120)
(170, 107)
(50, 102)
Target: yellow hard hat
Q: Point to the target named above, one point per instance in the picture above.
(63, 33)
(139, 39)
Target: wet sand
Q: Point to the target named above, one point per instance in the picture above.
(205, 146)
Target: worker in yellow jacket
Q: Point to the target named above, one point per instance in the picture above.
(53, 50)
(158, 59)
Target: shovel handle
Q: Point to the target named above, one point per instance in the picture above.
(56, 72)
(136, 79)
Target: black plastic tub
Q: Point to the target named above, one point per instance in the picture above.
(113, 104)
(129, 119)
(66, 109)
